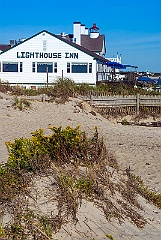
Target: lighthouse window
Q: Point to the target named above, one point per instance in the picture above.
(44, 67)
(79, 67)
(10, 67)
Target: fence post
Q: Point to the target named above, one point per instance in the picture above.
(137, 103)
(43, 98)
(91, 99)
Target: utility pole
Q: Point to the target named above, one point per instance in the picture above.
(62, 75)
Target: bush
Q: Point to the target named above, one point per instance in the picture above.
(84, 89)
(63, 89)
(125, 122)
(21, 103)
(81, 167)
(64, 147)
(5, 87)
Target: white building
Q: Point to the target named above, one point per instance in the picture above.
(47, 56)
(44, 57)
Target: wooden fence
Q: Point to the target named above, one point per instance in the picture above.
(130, 104)
(135, 102)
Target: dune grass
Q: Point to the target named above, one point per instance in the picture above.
(83, 169)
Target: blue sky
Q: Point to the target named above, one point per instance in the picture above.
(131, 28)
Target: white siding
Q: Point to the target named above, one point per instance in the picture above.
(53, 45)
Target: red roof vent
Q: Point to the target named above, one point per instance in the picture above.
(94, 27)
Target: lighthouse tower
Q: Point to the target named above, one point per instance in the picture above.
(94, 31)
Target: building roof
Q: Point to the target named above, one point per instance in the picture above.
(81, 48)
(4, 47)
(93, 44)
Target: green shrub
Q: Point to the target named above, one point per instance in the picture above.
(81, 168)
(84, 88)
(125, 122)
(21, 103)
(63, 89)
(151, 196)
(69, 145)
(5, 87)
(2, 231)
(109, 236)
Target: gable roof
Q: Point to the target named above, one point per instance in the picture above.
(93, 44)
(81, 48)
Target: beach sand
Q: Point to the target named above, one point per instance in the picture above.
(135, 147)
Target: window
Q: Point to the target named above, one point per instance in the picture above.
(10, 67)
(0, 66)
(44, 45)
(33, 67)
(44, 67)
(55, 67)
(90, 67)
(68, 67)
(21, 67)
(79, 67)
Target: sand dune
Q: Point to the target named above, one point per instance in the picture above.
(136, 146)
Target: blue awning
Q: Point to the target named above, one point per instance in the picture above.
(145, 79)
(118, 65)
(159, 81)
(114, 65)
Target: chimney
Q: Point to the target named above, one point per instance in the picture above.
(86, 31)
(12, 43)
(82, 29)
(77, 32)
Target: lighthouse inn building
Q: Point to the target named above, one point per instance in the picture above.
(46, 56)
